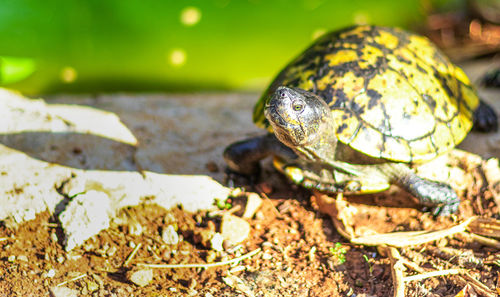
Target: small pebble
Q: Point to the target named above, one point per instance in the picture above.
(50, 273)
(63, 292)
(192, 284)
(204, 237)
(260, 215)
(92, 286)
(237, 269)
(169, 219)
(253, 203)
(266, 256)
(234, 229)
(135, 228)
(111, 251)
(169, 235)
(216, 242)
(141, 277)
(53, 237)
(211, 256)
(11, 258)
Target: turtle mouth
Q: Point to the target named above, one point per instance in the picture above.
(286, 132)
(273, 115)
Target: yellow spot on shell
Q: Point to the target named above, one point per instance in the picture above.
(387, 39)
(342, 56)
(460, 75)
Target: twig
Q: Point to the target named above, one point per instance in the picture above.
(482, 240)
(266, 198)
(51, 225)
(478, 286)
(402, 239)
(413, 266)
(132, 255)
(71, 280)
(397, 272)
(201, 265)
(433, 274)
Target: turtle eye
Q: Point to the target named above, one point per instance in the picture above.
(298, 106)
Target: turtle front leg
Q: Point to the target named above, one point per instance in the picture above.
(440, 197)
(244, 156)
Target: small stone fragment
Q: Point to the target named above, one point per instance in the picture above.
(204, 237)
(50, 273)
(253, 203)
(111, 251)
(216, 242)
(135, 228)
(141, 277)
(211, 256)
(169, 218)
(238, 284)
(234, 229)
(92, 210)
(53, 237)
(237, 269)
(92, 286)
(63, 292)
(266, 256)
(169, 235)
(260, 215)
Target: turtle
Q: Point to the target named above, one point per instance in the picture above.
(358, 109)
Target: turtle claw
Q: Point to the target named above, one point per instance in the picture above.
(443, 210)
(438, 198)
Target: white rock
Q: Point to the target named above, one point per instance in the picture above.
(63, 292)
(234, 229)
(169, 235)
(84, 216)
(253, 203)
(216, 242)
(140, 277)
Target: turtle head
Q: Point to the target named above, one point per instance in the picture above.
(299, 118)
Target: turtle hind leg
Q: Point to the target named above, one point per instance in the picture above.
(485, 118)
(439, 197)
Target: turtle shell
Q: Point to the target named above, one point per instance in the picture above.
(392, 94)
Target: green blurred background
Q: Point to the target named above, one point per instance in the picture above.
(125, 45)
